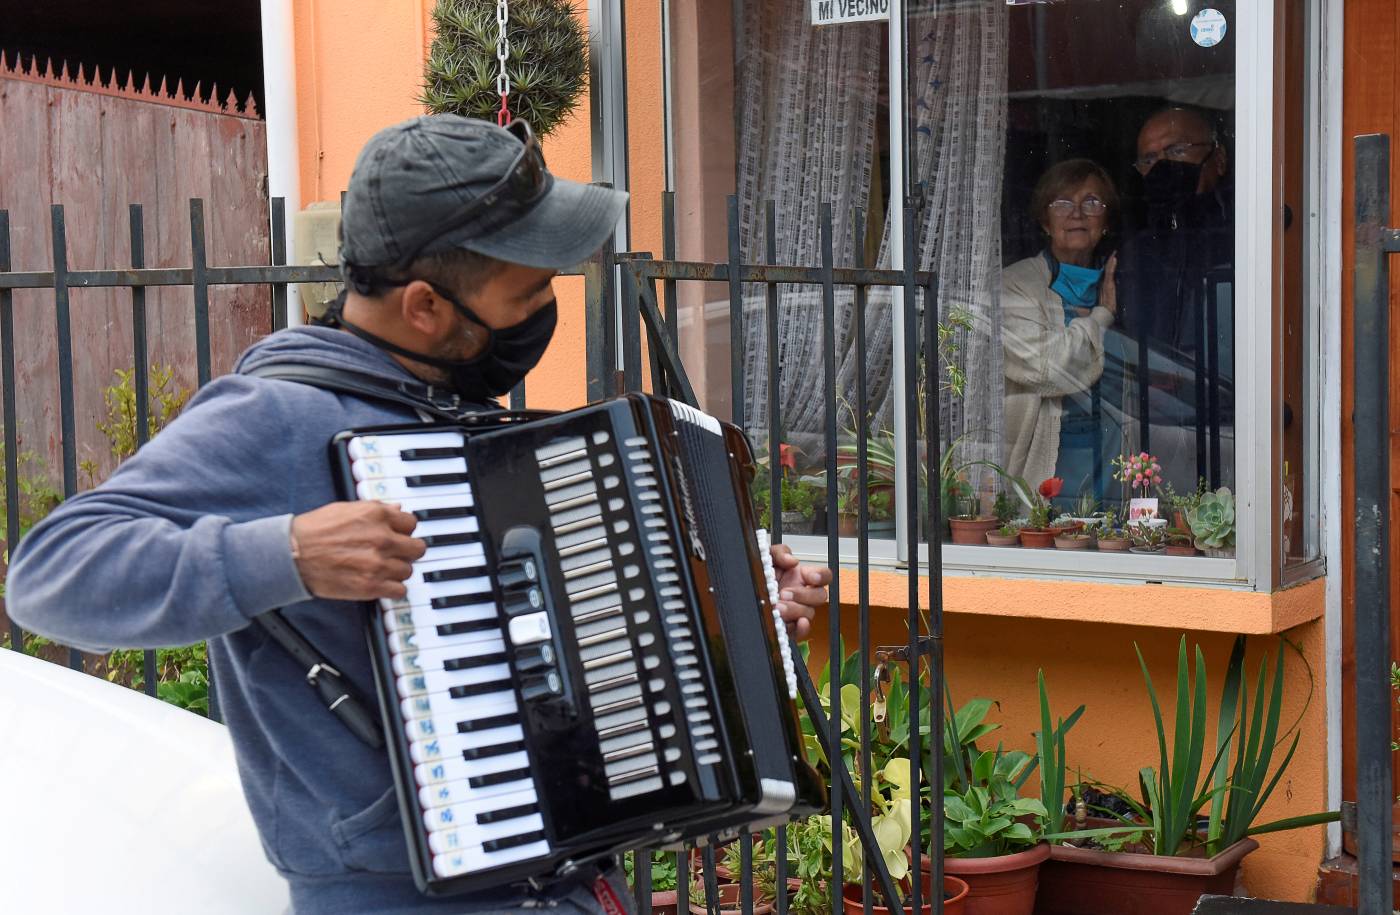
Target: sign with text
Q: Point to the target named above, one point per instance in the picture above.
(839, 12)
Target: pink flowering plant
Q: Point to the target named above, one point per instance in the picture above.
(1138, 471)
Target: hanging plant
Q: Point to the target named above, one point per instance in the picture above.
(547, 62)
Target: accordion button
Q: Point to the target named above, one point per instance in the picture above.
(538, 657)
(515, 572)
(526, 630)
(534, 689)
(528, 601)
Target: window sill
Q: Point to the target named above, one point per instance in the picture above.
(1186, 596)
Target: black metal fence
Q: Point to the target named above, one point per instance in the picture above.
(1371, 422)
(640, 277)
(643, 318)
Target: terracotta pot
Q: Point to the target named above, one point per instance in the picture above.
(1003, 885)
(1073, 543)
(730, 902)
(1070, 526)
(1082, 881)
(1037, 539)
(972, 532)
(1115, 545)
(995, 539)
(955, 894)
(848, 526)
(665, 903)
(1179, 519)
(1181, 549)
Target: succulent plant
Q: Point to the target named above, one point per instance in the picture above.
(547, 65)
(1212, 521)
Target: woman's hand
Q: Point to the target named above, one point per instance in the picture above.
(1108, 286)
(801, 590)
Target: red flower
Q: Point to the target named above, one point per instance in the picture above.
(787, 456)
(1050, 488)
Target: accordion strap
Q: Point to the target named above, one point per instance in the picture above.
(435, 401)
(334, 688)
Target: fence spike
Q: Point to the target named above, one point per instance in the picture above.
(146, 86)
(161, 90)
(180, 90)
(214, 97)
(250, 108)
(195, 96)
(4, 65)
(231, 103)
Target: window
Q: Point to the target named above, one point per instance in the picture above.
(1079, 173)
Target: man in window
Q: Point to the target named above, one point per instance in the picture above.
(1175, 273)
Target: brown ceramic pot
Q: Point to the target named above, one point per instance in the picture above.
(1083, 881)
(1003, 885)
(1115, 544)
(730, 902)
(1073, 543)
(995, 539)
(1181, 549)
(955, 893)
(665, 903)
(1037, 539)
(972, 531)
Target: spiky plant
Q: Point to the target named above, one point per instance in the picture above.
(548, 62)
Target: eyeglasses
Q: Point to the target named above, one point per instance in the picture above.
(523, 184)
(1089, 206)
(1177, 152)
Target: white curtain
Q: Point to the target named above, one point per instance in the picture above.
(809, 137)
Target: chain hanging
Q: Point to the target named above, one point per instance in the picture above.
(502, 53)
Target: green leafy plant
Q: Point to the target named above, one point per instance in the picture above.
(165, 399)
(663, 870)
(797, 494)
(1147, 536)
(1176, 791)
(547, 63)
(37, 496)
(1003, 508)
(986, 818)
(1212, 520)
(182, 674)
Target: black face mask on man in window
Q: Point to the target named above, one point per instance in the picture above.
(506, 358)
(1168, 189)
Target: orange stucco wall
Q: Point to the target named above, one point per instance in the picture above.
(998, 633)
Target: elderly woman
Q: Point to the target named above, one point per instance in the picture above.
(1055, 309)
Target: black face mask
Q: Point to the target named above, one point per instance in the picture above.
(1168, 187)
(505, 359)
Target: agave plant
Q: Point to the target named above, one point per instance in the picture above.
(1212, 520)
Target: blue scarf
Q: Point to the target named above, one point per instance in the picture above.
(1078, 287)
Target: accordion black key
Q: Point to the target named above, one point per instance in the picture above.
(588, 658)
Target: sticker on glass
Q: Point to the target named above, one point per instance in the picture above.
(1208, 28)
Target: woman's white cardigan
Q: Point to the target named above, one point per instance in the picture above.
(1045, 359)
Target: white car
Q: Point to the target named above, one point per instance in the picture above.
(118, 803)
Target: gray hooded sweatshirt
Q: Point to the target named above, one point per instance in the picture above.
(188, 541)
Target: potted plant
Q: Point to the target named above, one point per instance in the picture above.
(1174, 853)
(1085, 510)
(663, 880)
(799, 494)
(1212, 523)
(1038, 533)
(881, 508)
(1008, 534)
(971, 526)
(1147, 538)
(1112, 537)
(1074, 539)
(1179, 543)
(1140, 472)
(1181, 506)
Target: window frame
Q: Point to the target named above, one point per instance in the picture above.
(1256, 565)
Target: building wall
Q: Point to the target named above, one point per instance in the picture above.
(344, 95)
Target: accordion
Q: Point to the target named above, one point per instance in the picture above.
(588, 659)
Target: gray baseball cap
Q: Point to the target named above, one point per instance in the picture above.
(413, 185)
